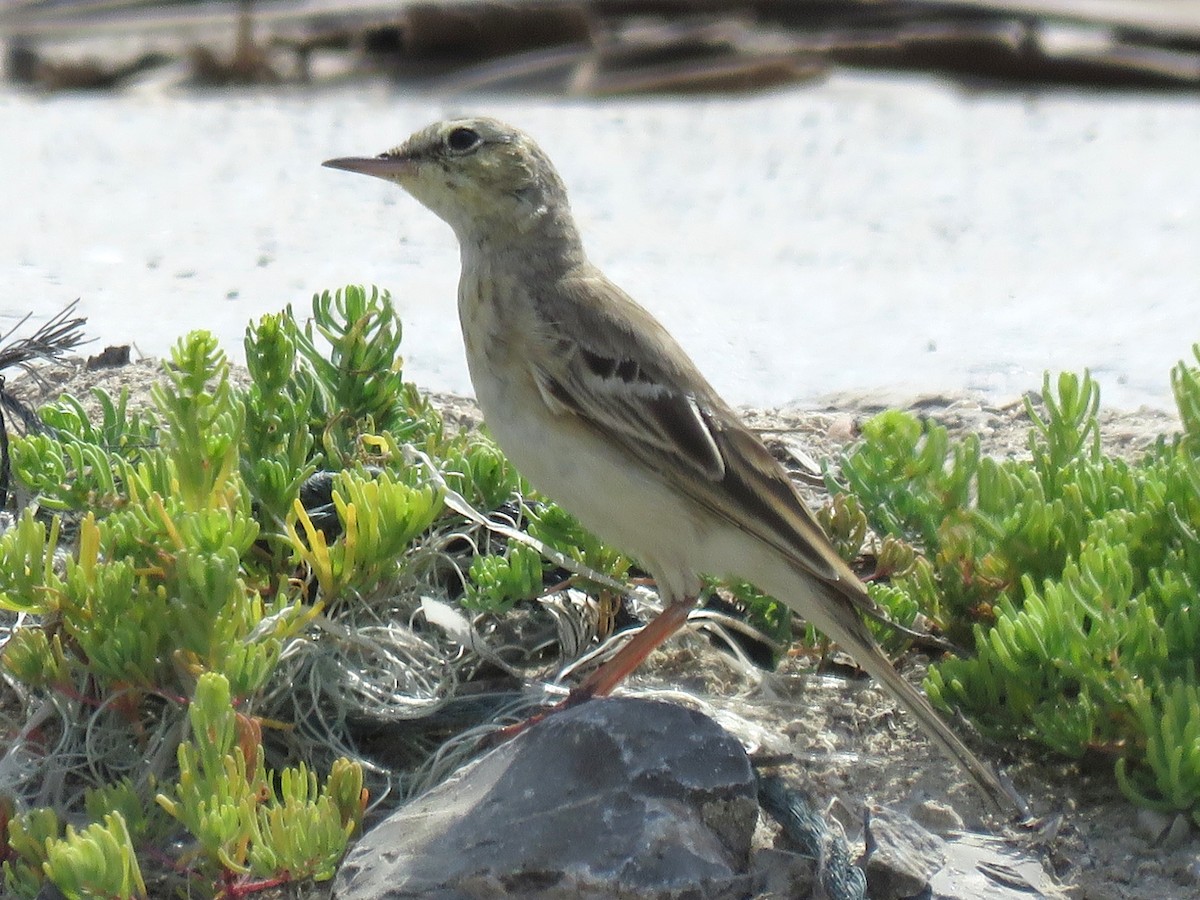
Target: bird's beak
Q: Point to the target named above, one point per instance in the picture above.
(389, 167)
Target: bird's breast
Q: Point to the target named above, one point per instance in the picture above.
(588, 474)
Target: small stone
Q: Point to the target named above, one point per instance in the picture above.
(842, 428)
(902, 856)
(1152, 824)
(1189, 874)
(109, 358)
(1178, 834)
(938, 817)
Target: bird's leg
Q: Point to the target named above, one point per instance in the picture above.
(613, 672)
(633, 654)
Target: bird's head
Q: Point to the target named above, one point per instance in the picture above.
(480, 175)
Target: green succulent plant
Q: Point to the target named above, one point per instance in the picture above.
(1072, 574)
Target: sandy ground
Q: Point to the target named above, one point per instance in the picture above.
(868, 233)
(853, 747)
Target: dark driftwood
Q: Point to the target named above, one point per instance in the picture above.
(615, 46)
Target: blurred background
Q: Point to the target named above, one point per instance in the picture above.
(818, 197)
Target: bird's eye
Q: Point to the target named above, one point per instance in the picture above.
(460, 140)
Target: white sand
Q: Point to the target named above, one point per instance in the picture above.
(872, 232)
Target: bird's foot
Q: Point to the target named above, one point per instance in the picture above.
(601, 682)
(578, 695)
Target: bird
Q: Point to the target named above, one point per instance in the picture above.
(602, 411)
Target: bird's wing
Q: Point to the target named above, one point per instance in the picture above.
(610, 363)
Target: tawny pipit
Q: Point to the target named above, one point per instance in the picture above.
(601, 409)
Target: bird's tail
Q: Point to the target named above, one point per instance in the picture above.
(859, 643)
(836, 615)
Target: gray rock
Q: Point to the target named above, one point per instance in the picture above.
(902, 856)
(615, 798)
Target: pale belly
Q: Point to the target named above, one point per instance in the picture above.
(625, 505)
